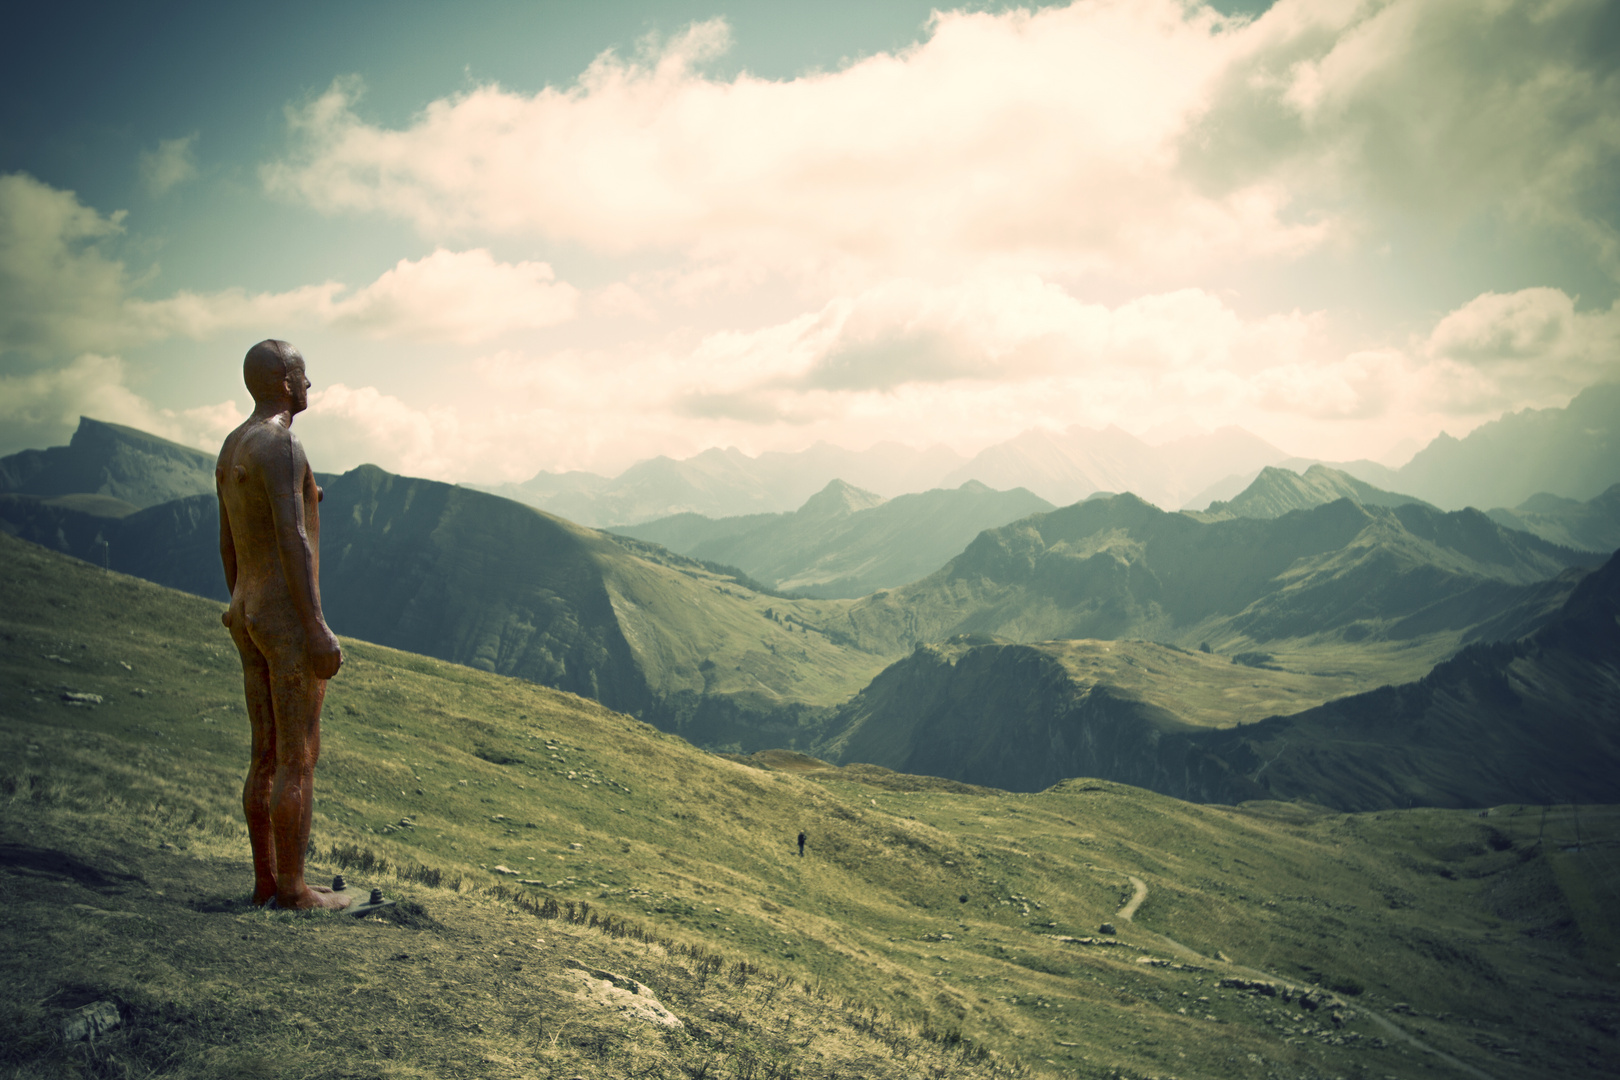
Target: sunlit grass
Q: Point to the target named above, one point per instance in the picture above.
(920, 906)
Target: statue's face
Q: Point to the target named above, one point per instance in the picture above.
(298, 384)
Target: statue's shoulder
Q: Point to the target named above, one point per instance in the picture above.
(260, 444)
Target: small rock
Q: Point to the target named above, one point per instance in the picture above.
(630, 999)
(70, 697)
(90, 1021)
(506, 870)
(576, 847)
(1106, 928)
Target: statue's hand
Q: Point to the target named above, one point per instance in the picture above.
(325, 653)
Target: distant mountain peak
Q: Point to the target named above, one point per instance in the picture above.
(839, 498)
(112, 460)
(1277, 491)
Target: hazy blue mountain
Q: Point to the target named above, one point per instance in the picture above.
(1593, 525)
(1276, 491)
(113, 461)
(845, 542)
(728, 483)
(1535, 721)
(546, 488)
(1119, 567)
(1573, 452)
(1068, 466)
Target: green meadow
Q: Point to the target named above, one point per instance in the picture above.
(932, 929)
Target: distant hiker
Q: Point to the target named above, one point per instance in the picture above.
(802, 839)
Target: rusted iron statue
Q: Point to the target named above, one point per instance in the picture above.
(269, 541)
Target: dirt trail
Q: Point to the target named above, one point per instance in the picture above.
(1126, 912)
(1388, 1026)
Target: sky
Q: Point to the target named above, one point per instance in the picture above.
(514, 237)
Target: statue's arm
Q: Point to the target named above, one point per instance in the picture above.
(285, 480)
(227, 542)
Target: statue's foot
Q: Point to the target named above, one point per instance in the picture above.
(314, 897)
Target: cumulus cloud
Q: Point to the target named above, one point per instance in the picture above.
(464, 296)
(172, 163)
(58, 292)
(1531, 347)
(1444, 109)
(1126, 136)
(61, 294)
(38, 408)
(1043, 138)
(973, 363)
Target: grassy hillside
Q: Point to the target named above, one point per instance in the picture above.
(845, 542)
(1410, 581)
(925, 912)
(483, 581)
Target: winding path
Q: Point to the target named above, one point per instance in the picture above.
(1129, 910)
(1139, 894)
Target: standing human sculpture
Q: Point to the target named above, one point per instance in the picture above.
(269, 542)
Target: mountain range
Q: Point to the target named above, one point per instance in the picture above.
(844, 542)
(1408, 578)
(1571, 452)
(1059, 467)
(1535, 720)
(1252, 615)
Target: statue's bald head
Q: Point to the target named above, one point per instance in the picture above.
(265, 370)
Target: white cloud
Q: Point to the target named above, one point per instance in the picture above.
(1506, 351)
(60, 294)
(462, 296)
(1044, 139)
(1437, 111)
(1128, 137)
(172, 163)
(40, 408)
